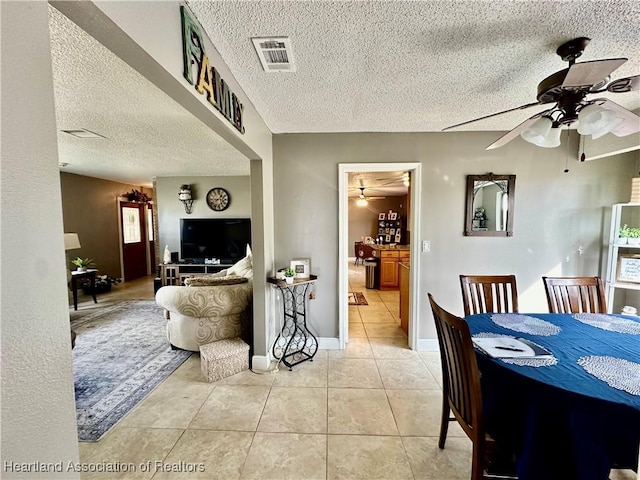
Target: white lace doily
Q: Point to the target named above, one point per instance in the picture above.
(523, 362)
(525, 324)
(617, 372)
(609, 322)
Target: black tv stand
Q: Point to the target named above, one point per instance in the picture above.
(175, 273)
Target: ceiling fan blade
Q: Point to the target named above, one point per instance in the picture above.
(506, 138)
(623, 85)
(587, 74)
(631, 123)
(521, 107)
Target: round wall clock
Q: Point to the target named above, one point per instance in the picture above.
(218, 199)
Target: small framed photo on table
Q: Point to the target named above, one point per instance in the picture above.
(302, 266)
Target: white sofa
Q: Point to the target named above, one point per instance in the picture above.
(210, 307)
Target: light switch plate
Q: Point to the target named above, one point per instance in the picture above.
(426, 246)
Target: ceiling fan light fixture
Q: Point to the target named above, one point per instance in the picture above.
(362, 202)
(542, 134)
(596, 121)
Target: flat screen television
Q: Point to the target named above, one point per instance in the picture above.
(223, 239)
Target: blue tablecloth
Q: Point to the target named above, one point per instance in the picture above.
(572, 417)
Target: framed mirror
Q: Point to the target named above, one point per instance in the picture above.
(490, 201)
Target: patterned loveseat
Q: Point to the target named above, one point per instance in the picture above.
(209, 307)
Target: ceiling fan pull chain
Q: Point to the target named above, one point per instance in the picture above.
(566, 157)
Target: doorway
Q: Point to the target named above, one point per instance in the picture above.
(346, 247)
(134, 229)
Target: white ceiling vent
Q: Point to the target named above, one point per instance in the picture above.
(275, 53)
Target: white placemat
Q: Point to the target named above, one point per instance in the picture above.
(523, 362)
(525, 324)
(616, 372)
(609, 322)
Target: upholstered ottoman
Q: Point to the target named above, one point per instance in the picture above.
(223, 358)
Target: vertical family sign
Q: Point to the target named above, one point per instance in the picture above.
(199, 72)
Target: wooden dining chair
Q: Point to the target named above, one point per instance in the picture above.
(575, 294)
(489, 294)
(462, 391)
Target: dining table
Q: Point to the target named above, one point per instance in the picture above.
(571, 415)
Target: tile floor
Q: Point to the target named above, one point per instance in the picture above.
(369, 412)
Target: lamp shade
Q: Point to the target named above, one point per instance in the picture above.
(542, 134)
(596, 121)
(71, 241)
(362, 202)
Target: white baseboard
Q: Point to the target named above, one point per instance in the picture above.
(327, 343)
(428, 345)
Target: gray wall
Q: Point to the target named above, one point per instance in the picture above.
(555, 212)
(171, 210)
(90, 209)
(38, 411)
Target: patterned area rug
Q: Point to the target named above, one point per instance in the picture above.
(121, 355)
(357, 298)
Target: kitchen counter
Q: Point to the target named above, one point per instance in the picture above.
(390, 247)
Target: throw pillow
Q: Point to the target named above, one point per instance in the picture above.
(243, 268)
(210, 280)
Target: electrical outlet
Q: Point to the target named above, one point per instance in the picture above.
(426, 246)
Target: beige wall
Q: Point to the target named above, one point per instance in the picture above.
(556, 213)
(90, 209)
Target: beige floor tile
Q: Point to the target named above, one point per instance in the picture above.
(384, 330)
(432, 361)
(295, 410)
(409, 374)
(357, 347)
(392, 347)
(380, 315)
(247, 377)
(231, 407)
(354, 373)
(189, 372)
(365, 457)
(428, 462)
(617, 474)
(354, 313)
(356, 329)
(360, 412)
(186, 399)
(306, 374)
(286, 456)
(418, 412)
(205, 454)
(128, 447)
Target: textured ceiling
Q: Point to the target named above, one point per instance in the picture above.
(362, 66)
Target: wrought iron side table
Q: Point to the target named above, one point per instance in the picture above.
(295, 343)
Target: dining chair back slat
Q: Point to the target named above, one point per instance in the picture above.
(575, 294)
(489, 294)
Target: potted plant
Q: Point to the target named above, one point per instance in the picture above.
(82, 263)
(623, 234)
(634, 236)
(289, 273)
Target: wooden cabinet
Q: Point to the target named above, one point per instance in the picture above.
(389, 273)
(388, 270)
(404, 295)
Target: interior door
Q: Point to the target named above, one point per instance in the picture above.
(134, 239)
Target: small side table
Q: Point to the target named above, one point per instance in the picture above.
(75, 276)
(295, 343)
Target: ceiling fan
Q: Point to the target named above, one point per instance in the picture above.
(362, 200)
(568, 90)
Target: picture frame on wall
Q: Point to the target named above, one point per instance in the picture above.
(382, 216)
(302, 267)
(387, 238)
(398, 238)
(393, 216)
